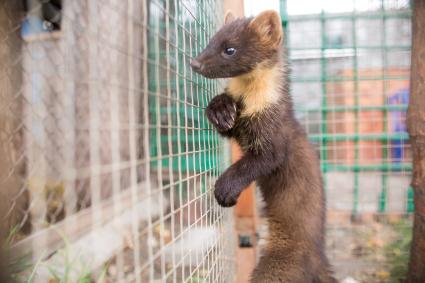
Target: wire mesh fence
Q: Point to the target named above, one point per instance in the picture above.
(350, 65)
(350, 79)
(107, 158)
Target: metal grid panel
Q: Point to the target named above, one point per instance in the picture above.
(110, 161)
(350, 76)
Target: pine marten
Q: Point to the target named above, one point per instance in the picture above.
(256, 110)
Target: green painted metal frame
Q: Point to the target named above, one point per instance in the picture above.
(384, 138)
(384, 179)
(356, 125)
(193, 144)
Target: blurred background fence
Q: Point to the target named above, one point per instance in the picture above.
(350, 81)
(350, 64)
(107, 161)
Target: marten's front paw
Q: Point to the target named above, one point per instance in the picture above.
(226, 193)
(221, 112)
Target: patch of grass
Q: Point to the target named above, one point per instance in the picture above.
(398, 251)
(64, 275)
(25, 270)
(12, 234)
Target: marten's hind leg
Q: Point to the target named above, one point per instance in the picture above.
(282, 267)
(324, 273)
(291, 266)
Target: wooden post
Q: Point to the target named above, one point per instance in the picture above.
(245, 221)
(416, 128)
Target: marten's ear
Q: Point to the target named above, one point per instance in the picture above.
(268, 25)
(229, 17)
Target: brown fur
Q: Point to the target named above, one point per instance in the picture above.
(268, 26)
(256, 110)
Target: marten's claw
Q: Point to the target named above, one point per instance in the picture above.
(221, 112)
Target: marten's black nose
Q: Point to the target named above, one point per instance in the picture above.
(196, 66)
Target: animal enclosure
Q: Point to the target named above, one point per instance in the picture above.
(350, 63)
(107, 159)
(350, 82)
(108, 163)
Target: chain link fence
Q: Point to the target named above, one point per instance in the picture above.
(108, 161)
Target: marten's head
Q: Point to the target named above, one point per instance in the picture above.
(240, 46)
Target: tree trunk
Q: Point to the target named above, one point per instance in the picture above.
(416, 128)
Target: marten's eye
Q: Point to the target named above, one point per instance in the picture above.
(230, 51)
